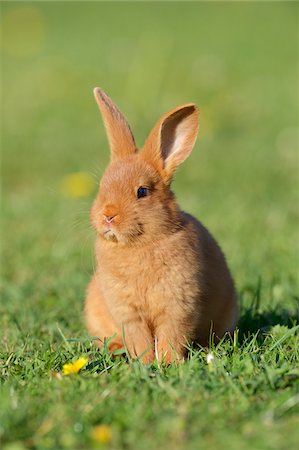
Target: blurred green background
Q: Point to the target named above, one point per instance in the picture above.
(237, 60)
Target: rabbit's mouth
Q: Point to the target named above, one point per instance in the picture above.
(110, 235)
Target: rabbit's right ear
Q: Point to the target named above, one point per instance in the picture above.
(120, 137)
(171, 140)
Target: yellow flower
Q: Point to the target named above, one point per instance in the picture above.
(75, 366)
(101, 434)
(77, 185)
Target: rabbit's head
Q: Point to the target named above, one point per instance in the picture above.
(135, 203)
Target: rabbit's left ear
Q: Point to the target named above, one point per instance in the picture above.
(120, 137)
(172, 139)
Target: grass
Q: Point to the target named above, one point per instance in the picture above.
(238, 61)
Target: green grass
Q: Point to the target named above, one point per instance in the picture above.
(239, 62)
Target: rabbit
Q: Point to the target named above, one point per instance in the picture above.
(161, 280)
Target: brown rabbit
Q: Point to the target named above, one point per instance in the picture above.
(161, 279)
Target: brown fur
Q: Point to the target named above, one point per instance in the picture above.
(161, 279)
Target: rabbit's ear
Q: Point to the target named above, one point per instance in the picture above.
(120, 137)
(172, 139)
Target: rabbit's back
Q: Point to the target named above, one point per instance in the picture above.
(218, 299)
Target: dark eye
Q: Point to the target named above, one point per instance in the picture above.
(142, 191)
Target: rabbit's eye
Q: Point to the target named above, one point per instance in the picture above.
(142, 191)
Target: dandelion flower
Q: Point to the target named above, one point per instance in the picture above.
(102, 434)
(75, 366)
(210, 358)
(77, 185)
(211, 362)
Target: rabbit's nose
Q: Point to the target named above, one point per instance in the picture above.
(109, 219)
(110, 215)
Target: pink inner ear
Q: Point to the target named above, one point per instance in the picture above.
(175, 132)
(171, 140)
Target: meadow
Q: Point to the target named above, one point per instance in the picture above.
(239, 62)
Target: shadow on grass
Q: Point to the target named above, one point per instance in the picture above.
(252, 321)
(254, 318)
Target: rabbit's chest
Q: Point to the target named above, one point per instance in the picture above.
(150, 283)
